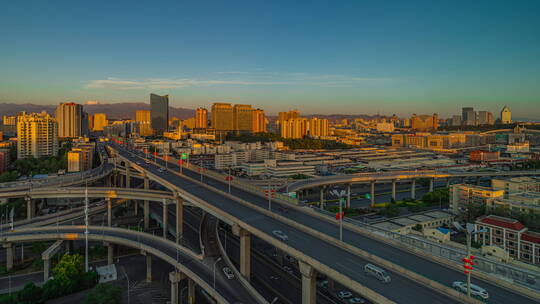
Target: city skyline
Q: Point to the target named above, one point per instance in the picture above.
(362, 58)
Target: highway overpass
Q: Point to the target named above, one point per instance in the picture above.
(194, 266)
(308, 235)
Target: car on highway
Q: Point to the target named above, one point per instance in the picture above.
(357, 300)
(344, 294)
(147, 161)
(228, 273)
(280, 235)
(476, 291)
(324, 284)
(377, 272)
(274, 277)
(287, 269)
(161, 170)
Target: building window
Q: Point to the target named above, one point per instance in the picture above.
(511, 235)
(512, 252)
(526, 256)
(497, 232)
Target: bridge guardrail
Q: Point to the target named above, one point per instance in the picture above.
(525, 278)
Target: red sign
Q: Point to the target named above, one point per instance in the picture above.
(340, 215)
(229, 178)
(180, 162)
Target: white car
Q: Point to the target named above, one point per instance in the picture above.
(228, 273)
(344, 294)
(476, 291)
(280, 235)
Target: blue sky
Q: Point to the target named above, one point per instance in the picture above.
(318, 56)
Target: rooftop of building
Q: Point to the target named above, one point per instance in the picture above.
(531, 236)
(502, 222)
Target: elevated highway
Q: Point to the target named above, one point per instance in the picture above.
(396, 176)
(313, 242)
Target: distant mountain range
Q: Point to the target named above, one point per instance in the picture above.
(113, 110)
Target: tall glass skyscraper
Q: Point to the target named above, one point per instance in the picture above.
(159, 113)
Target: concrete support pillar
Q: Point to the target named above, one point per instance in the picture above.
(373, 193)
(348, 196)
(175, 277)
(165, 218)
(394, 182)
(9, 255)
(478, 180)
(309, 289)
(146, 205)
(136, 207)
(431, 181)
(448, 182)
(245, 250)
(46, 269)
(146, 215)
(321, 198)
(110, 253)
(191, 292)
(148, 267)
(179, 219)
(128, 177)
(30, 206)
(413, 188)
(109, 211)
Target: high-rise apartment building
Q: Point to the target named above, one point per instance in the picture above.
(456, 120)
(142, 116)
(69, 117)
(201, 118)
(222, 117)
(259, 121)
(318, 127)
(425, 122)
(9, 120)
(288, 115)
(468, 115)
(159, 113)
(294, 128)
(485, 118)
(506, 115)
(243, 118)
(37, 135)
(100, 121)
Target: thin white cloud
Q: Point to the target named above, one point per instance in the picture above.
(248, 79)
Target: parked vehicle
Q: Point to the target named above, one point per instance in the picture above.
(377, 272)
(357, 301)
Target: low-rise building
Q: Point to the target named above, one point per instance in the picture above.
(484, 156)
(425, 220)
(517, 184)
(462, 196)
(510, 235)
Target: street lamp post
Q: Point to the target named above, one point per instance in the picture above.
(127, 279)
(341, 219)
(86, 228)
(219, 259)
(469, 230)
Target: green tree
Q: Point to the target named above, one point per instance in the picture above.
(104, 294)
(31, 294)
(68, 270)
